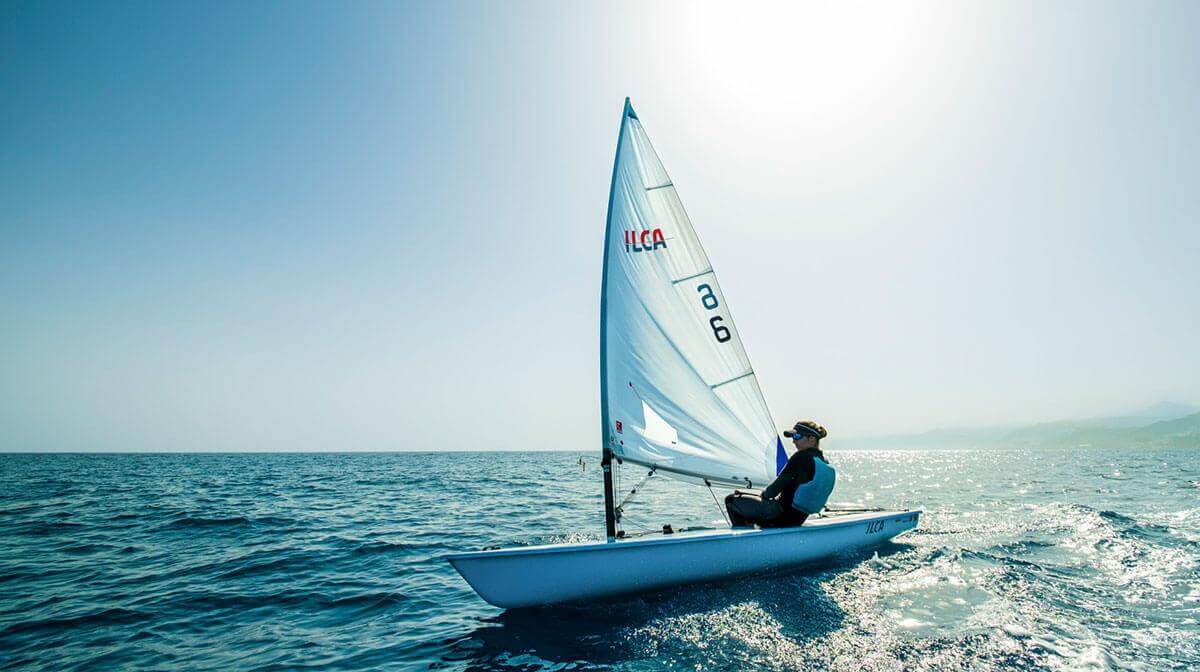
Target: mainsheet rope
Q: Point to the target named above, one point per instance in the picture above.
(719, 507)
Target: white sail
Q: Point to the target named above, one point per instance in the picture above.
(677, 389)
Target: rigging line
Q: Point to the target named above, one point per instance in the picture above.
(638, 525)
(636, 488)
(660, 186)
(719, 507)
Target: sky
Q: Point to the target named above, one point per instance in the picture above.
(378, 226)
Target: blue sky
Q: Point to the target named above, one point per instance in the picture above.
(378, 226)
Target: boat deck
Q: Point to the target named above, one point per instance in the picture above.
(813, 524)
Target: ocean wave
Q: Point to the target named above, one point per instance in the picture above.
(290, 562)
(203, 522)
(97, 618)
(191, 521)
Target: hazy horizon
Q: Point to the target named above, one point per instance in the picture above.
(851, 442)
(378, 227)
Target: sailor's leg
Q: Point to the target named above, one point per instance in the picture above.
(788, 517)
(733, 506)
(747, 510)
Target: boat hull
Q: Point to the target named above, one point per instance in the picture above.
(538, 575)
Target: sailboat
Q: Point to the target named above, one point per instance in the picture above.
(678, 397)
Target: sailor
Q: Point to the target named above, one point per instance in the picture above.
(800, 489)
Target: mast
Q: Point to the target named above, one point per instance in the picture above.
(610, 515)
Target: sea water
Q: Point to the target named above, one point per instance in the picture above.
(1057, 559)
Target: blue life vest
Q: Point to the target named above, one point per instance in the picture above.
(810, 497)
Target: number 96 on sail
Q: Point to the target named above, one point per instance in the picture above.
(708, 299)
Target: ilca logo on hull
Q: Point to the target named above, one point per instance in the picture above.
(644, 241)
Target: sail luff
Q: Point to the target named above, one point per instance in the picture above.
(610, 519)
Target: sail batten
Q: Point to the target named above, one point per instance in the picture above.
(679, 393)
(692, 276)
(732, 380)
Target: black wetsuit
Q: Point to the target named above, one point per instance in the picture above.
(774, 509)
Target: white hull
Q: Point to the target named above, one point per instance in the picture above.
(539, 575)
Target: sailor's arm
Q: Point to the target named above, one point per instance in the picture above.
(782, 481)
(772, 491)
(792, 472)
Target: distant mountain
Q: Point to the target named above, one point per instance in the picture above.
(1185, 427)
(1166, 410)
(1163, 410)
(1145, 429)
